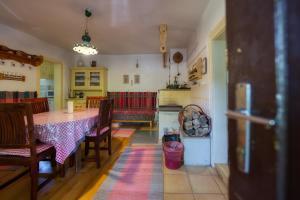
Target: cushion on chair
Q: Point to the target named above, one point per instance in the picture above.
(93, 133)
(24, 152)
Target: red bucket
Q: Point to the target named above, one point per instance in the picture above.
(173, 152)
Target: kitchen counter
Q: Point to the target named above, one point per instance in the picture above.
(174, 97)
(169, 108)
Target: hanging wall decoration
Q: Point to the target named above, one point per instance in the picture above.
(125, 79)
(177, 58)
(11, 76)
(136, 79)
(20, 56)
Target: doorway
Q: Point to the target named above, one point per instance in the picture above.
(219, 95)
(51, 83)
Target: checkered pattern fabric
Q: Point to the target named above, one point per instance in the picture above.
(134, 105)
(133, 100)
(24, 152)
(15, 96)
(93, 133)
(64, 131)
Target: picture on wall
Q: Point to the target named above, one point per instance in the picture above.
(136, 79)
(125, 79)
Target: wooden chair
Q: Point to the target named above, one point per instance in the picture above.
(18, 144)
(39, 105)
(94, 102)
(102, 132)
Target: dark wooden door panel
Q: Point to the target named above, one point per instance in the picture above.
(250, 36)
(292, 50)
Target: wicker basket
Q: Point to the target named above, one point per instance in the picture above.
(186, 117)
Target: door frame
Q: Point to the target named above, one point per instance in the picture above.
(216, 32)
(56, 62)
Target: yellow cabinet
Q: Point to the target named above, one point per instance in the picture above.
(89, 79)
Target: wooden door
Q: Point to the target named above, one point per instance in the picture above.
(251, 51)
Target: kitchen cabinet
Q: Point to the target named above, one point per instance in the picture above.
(89, 80)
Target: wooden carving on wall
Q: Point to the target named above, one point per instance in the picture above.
(20, 56)
(163, 28)
(14, 77)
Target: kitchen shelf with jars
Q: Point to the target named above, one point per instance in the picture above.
(87, 81)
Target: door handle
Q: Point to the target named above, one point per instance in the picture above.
(253, 119)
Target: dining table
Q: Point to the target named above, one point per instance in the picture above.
(65, 131)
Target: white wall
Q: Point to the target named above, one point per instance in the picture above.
(153, 76)
(202, 92)
(18, 40)
(212, 15)
(219, 102)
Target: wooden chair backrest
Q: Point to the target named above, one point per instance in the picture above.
(16, 126)
(94, 101)
(105, 114)
(39, 105)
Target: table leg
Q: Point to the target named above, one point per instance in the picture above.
(71, 160)
(62, 170)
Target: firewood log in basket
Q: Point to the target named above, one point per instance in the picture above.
(194, 122)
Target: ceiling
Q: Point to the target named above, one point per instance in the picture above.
(116, 27)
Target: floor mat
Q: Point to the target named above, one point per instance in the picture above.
(137, 175)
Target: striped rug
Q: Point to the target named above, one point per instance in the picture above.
(137, 175)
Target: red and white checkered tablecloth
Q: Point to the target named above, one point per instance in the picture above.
(63, 130)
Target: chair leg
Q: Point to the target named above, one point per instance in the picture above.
(86, 148)
(151, 124)
(97, 153)
(109, 143)
(34, 180)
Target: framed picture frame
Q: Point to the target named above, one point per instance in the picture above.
(136, 79)
(125, 79)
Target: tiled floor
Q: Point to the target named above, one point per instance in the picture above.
(193, 183)
(143, 134)
(145, 137)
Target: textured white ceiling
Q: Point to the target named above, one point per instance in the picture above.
(116, 27)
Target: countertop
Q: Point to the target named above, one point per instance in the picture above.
(174, 90)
